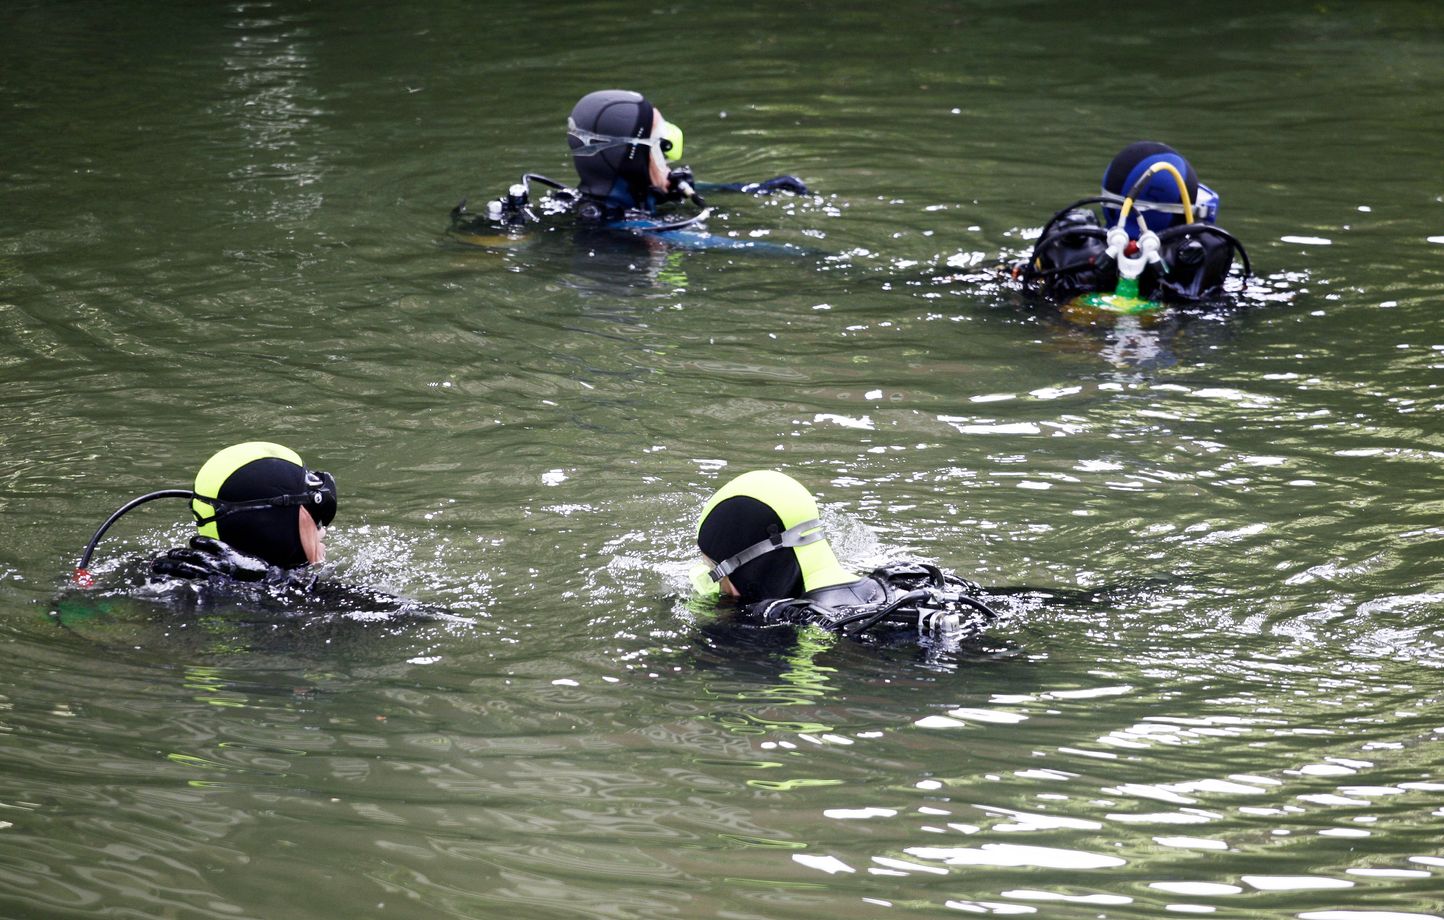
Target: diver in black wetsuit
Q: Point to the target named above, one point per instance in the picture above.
(622, 149)
(1156, 240)
(261, 519)
(764, 546)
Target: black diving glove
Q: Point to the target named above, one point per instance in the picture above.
(206, 557)
(775, 184)
(681, 183)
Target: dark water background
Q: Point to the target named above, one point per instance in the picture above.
(225, 221)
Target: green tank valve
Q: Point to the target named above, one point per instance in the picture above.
(1124, 301)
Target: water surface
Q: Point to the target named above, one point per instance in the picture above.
(227, 223)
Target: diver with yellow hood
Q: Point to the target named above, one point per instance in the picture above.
(763, 544)
(259, 512)
(261, 516)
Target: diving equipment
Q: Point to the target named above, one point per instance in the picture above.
(941, 607)
(1170, 251)
(1145, 172)
(668, 142)
(800, 535)
(514, 209)
(765, 530)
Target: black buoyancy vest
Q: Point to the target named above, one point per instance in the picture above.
(299, 589)
(1071, 259)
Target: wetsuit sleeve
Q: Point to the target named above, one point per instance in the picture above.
(340, 597)
(764, 187)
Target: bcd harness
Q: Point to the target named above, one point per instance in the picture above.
(1070, 257)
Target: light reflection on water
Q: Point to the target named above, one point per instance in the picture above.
(243, 236)
(1233, 815)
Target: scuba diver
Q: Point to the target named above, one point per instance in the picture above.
(1156, 242)
(764, 546)
(261, 517)
(623, 151)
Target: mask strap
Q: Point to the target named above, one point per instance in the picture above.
(1139, 204)
(315, 494)
(791, 537)
(226, 509)
(593, 143)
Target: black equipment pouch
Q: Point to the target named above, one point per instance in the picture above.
(1070, 257)
(1197, 259)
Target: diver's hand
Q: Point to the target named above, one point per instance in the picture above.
(180, 563)
(231, 562)
(777, 184)
(205, 557)
(682, 175)
(681, 181)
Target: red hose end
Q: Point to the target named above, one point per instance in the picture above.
(82, 579)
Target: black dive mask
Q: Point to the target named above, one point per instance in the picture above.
(323, 491)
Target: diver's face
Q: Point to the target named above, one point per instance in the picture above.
(313, 538)
(725, 584)
(657, 165)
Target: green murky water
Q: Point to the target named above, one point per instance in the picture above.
(225, 222)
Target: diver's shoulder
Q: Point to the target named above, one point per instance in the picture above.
(868, 589)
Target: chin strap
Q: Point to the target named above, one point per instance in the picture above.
(791, 537)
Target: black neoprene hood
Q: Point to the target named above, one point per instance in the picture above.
(616, 113)
(737, 523)
(272, 534)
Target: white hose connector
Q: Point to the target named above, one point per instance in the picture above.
(1146, 253)
(1117, 242)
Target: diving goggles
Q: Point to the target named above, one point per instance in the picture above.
(1205, 206)
(668, 141)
